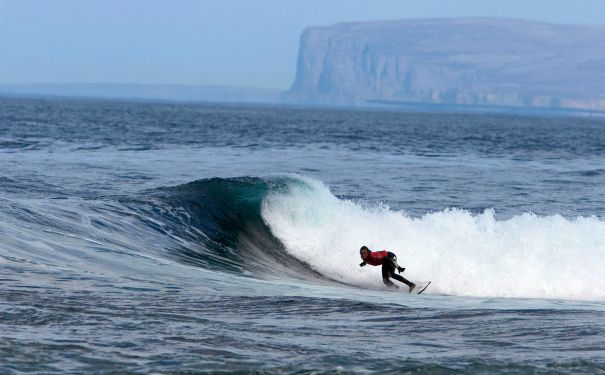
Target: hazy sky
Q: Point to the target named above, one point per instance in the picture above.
(222, 42)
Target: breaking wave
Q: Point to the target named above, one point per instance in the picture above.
(292, 227)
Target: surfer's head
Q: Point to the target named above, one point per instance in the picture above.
(364, 252)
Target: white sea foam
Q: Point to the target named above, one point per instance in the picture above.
(463, 254)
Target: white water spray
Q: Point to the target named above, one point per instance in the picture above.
(463, 254)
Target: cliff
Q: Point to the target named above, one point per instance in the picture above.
(465, 61)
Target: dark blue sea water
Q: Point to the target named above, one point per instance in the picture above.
(188, 238)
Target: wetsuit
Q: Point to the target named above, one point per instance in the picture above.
(388, 261)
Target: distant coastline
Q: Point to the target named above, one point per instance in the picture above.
(471, 65)
(277, 101)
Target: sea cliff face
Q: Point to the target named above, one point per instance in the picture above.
(466, 61)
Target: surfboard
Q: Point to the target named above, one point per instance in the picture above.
(421, 287)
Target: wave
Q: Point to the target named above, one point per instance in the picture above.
(294, 228)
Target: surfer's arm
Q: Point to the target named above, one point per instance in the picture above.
(394, 261)
(399, 268)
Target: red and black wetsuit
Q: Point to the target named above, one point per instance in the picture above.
(376, 258)
(388, 261)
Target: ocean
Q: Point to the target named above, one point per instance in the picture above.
(184, 238)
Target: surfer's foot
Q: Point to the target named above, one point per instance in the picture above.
(389, 283)
(412, 287)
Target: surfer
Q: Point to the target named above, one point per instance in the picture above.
(388, 261)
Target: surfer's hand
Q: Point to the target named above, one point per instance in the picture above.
(362, 264)
(400, 269)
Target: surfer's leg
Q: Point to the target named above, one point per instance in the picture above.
(386, 271)
(402, 279)
(407, 282)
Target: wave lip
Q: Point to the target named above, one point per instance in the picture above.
(218, 222)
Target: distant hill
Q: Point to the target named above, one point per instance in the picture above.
(225, 94)
(460, 61)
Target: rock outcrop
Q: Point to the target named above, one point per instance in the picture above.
(460, 61)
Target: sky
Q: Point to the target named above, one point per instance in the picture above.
(250, 43)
